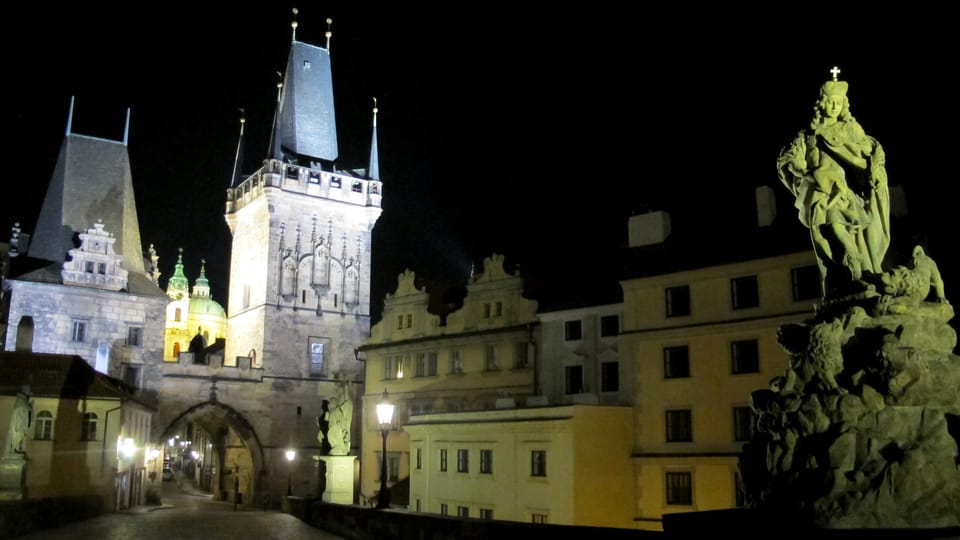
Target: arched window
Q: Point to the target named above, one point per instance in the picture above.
(88, 431)
(44, 429)
(25, 334)
(176, 315)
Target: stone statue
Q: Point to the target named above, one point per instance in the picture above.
(863, 429)
(341, 419)
(837, 174)
(323, 423)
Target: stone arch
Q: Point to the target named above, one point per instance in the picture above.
(216, 419)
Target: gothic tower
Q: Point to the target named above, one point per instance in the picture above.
(299, 291)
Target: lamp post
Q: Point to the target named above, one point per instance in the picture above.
(385, 418)
(291, 454)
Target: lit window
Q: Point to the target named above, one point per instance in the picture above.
(318, 364)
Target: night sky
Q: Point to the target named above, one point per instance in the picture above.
(527, 131)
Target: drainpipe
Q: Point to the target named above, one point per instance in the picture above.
(106, 425)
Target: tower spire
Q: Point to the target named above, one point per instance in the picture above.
(373, 170)
(126, 128)
(70, 116)
(293, 23)
(275, 151)
(328, 33)
(238, 158)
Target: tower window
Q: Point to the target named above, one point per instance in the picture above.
(306, 64)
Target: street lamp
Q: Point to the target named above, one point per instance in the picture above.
(290, 455)
(385, 418)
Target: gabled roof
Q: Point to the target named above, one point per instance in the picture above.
(42, 271)
(60, 375)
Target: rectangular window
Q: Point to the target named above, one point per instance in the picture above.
(89, 267)
(486, 462)
(679, 488)
(676, 362)
(678, 301)
(486, 513)
(498, 309)
(318, 359)
(679, 426)
(131, 375)
(463, 511)
(102, 268)
(538, 463)
(418, 505)
(463, 460)
(538, 518)
(393, 466)
(393, 367)
(486, 310)
(420, 365)
(399, 322)
(745, 356)
(409, 320)
(742, 424)
(419, 458)
(456, 361)
(79, 331)
(572, 331)
(574, 380)
(443, 460)
(520, 355)
(806, 283)
(490, 358)
(609, 325)
(134, 336)
(443, 509)
(745, 292)
(610, 377)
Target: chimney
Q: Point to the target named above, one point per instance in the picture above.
(648, 229)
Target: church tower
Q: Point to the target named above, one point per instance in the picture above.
(299, 291)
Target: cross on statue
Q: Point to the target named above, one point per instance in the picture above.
(835, 71)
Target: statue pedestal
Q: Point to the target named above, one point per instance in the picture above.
(11, 478)
(339, 478)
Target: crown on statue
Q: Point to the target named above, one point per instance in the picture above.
(834, 88)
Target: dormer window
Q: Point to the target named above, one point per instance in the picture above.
(306, 65)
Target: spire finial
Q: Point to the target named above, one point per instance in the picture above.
(375, 110)
(328, 32)
(293, 23)
(70, 116)
(279, 85)
(835, 71)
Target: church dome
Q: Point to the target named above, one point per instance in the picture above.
(206, 306)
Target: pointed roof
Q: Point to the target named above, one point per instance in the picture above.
(201, 288)
(307, 123)
(178, 282)
(373, 171)
(237, 176)
(91, 181)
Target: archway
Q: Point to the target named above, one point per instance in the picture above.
(217, 449)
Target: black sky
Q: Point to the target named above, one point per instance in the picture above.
(529, 131)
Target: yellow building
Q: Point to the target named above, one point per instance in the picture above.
(480, 358)
(701, 336)
(72, 432)
(191, 315)
(564, 465)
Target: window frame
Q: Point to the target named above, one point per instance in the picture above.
(573, 330)
(678, 425)
(43, 431)
(678, 488)
(673, 360)
(677, 301)
(744, 292)
(744, 359)
(610, 376)
(486, 461)
(538, 463)
(463, 460)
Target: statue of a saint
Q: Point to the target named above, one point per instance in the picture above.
(838, 176)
